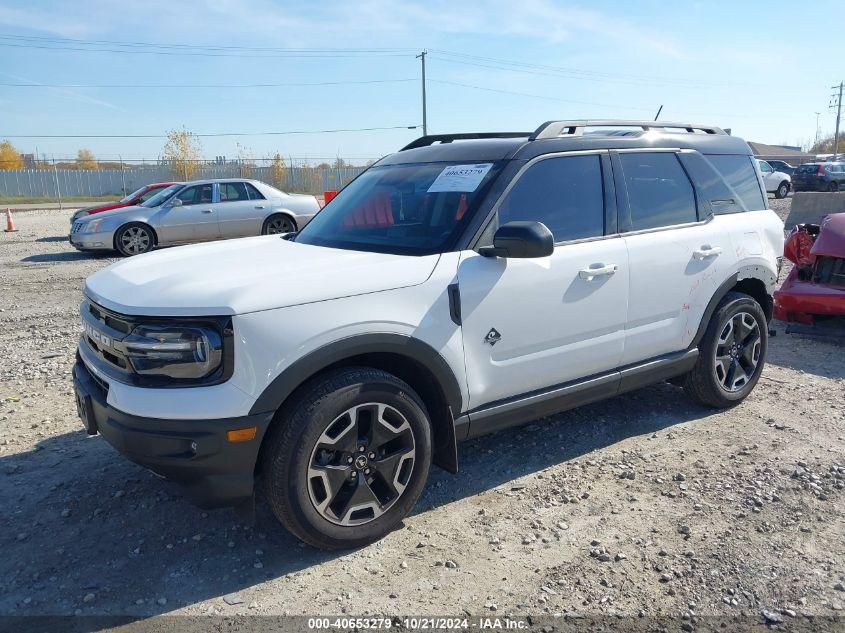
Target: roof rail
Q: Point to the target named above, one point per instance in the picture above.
(556, 129)
(431, 139)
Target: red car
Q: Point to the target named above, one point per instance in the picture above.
(137, 197)
(812, 298)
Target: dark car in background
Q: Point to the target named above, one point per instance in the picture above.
(136, 197)
(819, 176)
(782, 166)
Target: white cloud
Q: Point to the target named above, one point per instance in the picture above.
(343, 23)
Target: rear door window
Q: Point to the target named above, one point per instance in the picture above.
(254, 194)
(738, 171)
(564, 193)
(232, 192)
(659, 190)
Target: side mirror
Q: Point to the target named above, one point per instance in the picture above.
(521, 239)
(176, 202)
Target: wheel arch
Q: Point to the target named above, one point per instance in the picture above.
(129, 223)
(754, 281)
(408, 358)
(285, 212)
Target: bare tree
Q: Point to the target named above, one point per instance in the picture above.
(183, 151)
(85, 159)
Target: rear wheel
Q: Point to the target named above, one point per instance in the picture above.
(134, 239)
(348, 458)
(782, 191)
(731, 353)
(278, 223)
(833, 186)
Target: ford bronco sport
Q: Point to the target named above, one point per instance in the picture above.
(464, 284)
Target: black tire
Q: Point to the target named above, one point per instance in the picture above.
(278, 223)
(782, 191)
(703, 383)
(833, 186)
(134, 238)
(303, 425)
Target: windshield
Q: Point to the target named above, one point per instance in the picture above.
(409, 209)
(134, 194)
(161, 196)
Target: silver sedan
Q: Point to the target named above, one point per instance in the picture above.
(196, 211)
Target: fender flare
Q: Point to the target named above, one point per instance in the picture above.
(746, 272)
(283, 385)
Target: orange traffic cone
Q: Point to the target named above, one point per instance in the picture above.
(10, 223)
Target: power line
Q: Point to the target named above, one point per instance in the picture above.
(215, 134)
(536, 96)
(143, 52)
(375, 50)
(561, 71)
(255, 85)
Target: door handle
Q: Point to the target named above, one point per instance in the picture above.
(598, 270)
(260, 206)
(208, 210)
(706, 251)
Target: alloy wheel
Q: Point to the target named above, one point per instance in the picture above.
(135, 240)
(738, 351)
(279, 225)
(361, 464)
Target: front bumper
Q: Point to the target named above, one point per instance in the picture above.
(193, 453)
(103, 241)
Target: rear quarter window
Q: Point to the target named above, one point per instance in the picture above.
(740, 174)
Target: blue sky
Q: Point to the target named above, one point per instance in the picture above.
(760, 68)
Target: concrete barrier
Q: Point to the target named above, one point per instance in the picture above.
(811, 207)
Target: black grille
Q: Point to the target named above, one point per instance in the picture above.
(830, 271)
(110, 319)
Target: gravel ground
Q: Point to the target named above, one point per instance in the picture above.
(645, 504)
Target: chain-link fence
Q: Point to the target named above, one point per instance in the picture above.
(53, 182)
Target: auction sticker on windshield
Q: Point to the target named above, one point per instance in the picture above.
(464, 178)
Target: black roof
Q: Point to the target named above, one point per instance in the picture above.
(477, 147)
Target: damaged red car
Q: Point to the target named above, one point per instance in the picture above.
(812, 297)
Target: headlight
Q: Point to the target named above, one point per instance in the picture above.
(92, 226)
(188, 352)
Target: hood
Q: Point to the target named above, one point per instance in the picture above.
(831, 239)
(247, 275)
(108, 213)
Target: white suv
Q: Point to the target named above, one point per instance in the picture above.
(465, 284)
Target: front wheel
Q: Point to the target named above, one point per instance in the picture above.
(347, 458)
(833, 186)
(782, 191)
(134, 239)
(278, 223)
(731, 354)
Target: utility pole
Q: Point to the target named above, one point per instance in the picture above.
(838, 105)
(816, 141)
(421, 57)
